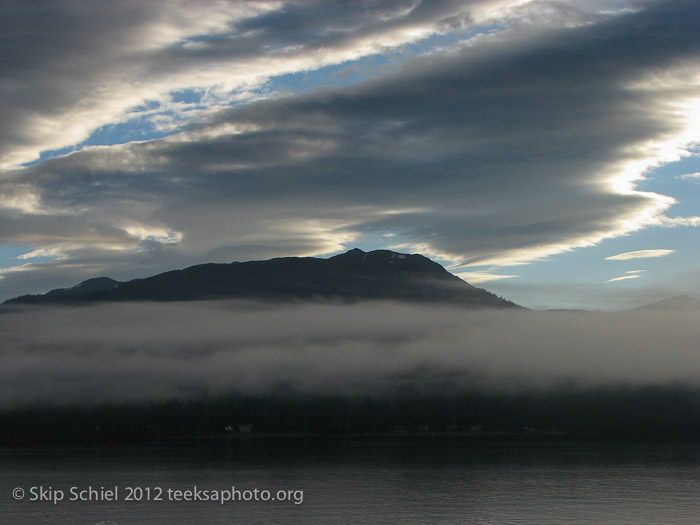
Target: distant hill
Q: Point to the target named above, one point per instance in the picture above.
(65, 295)
(679, 302)
(354, 275)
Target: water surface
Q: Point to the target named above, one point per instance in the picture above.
(362, 480)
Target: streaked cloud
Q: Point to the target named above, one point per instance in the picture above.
(630, 274)
(19, 268)
(482, 277)
(41, 252)
(622, 278)
(639, 254)
(673, 222)
(146, 61)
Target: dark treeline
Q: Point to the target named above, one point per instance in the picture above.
(621, 410)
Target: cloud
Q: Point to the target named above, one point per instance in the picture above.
(639, 254)
(113, 63)
(501, 149)
(41, 252)
(622, 278)
(127, 352)
(13, 269)
(545, 293)
(679, 221)
(482, 277)
(631, 274)
(691, 176)
(150, 233)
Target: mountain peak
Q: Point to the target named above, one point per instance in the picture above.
(97, 284)
(384, 257)
(354, 255)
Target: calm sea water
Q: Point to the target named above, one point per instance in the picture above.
(402, 480)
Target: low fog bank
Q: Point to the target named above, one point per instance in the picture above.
(159, 351)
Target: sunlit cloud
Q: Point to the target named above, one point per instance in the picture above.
(144, 56)
(41, 252)
(673, 222)
(323, 236)
(153, 233)
(622, 278)
(695, 177)
(639, 254)
(482, 277)
(14, 269)
(22, 199)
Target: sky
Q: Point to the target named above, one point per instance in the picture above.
(546, 150)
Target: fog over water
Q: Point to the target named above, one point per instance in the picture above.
(156, 351)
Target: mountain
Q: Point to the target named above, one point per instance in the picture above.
(65, 295)
(679, 302)
(354, 275)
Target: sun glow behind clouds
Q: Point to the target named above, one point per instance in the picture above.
(153, 233)
(682, 108)
(326, 236)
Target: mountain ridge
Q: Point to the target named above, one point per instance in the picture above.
(678, 302)
(353, 275)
